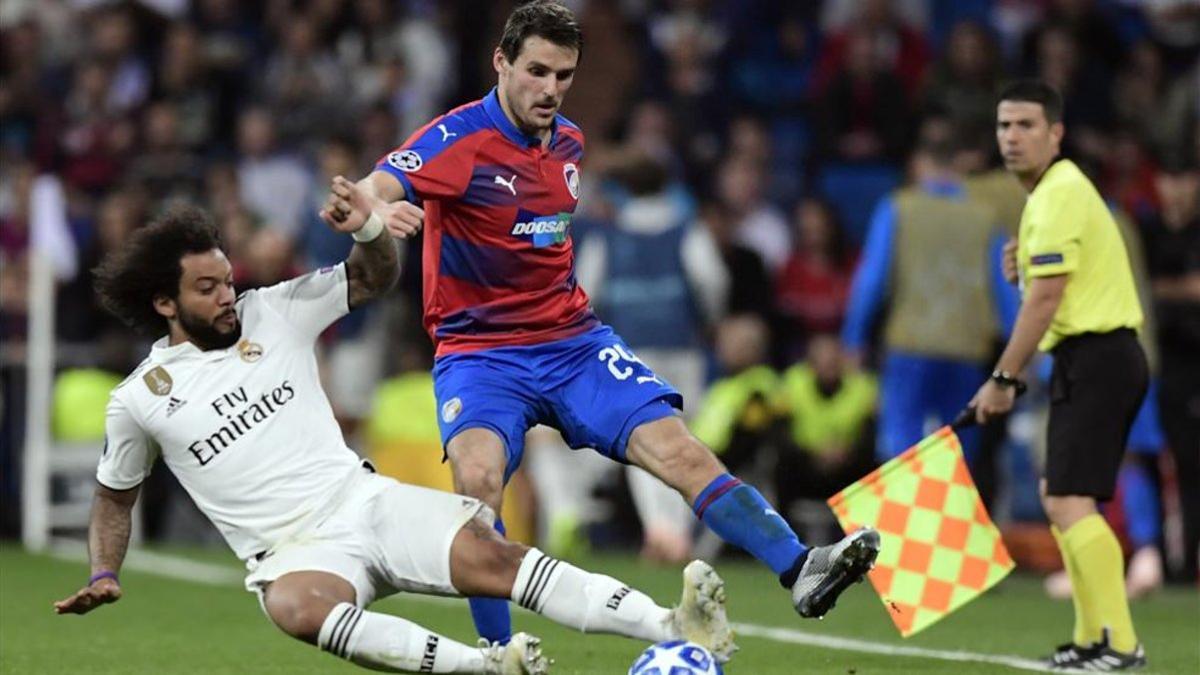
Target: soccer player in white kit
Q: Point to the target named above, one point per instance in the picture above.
(231, 401)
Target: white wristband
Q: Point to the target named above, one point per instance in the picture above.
(370, 229)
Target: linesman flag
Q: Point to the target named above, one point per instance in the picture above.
(940, 549)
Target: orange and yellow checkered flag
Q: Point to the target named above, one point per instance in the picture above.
(940, 549)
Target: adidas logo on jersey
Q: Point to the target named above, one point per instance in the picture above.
(174, 404)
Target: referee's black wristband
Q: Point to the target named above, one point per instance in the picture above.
(1007, 379)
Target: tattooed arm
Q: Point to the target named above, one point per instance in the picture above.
(108, 539)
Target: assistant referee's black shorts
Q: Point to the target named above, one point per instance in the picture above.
(1098, 384)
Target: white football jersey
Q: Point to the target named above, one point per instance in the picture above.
(247, 430)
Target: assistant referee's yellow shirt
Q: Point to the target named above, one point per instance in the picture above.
(1066, 228)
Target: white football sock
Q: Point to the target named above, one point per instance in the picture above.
(592, 603)
(389, 643)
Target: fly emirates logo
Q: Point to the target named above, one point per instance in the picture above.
(239, 414)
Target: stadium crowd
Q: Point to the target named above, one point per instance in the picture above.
(738, 157)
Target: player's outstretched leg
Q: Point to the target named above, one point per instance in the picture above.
(317, 607)
(482, 563)
(477, 461)
(740, 515)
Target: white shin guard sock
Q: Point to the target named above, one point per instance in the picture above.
(389, 643)
(592, 603)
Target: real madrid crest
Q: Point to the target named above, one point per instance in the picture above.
(158, 381)
(249, 351)
(571, 175)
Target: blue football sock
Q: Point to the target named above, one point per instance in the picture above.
(739, 515)
(491, 615)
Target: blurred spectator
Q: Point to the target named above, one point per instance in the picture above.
(113, 43)
(1128, 176)
(735, 417)
(14, 251)
(1175, 26)
(1139, 89)
(272, 183)
(320, 244)
(757, 223)
(750, 289)
(1089, 27)
(773, 73)
(185, 81)
(829, 409)
(86, 139)
(689, 41)
(305, 85)
(654, 276)
(812, 288)
(964, 81)
(404, 61)
(1173, 247)
(164, 166)
(877, 29)
(1084, 86)
(933, 256)
(862, 113)
(1177, 121)
(79, 316)
(268, 260)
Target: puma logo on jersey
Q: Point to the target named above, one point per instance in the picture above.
(510, 183)
(446, 133)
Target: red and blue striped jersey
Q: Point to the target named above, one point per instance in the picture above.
(499, 267)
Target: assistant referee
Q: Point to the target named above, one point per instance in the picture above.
(1078, 303)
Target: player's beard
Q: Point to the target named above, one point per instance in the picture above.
(205, 334)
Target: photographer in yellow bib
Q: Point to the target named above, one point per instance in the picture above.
(1079, 303)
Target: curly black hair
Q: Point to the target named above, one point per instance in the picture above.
(148, 266)
(548, 20)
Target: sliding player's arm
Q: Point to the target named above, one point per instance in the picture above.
(374, 262)
(108, 539)
(128, 454)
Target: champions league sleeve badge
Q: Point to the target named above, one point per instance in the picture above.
(406, 161)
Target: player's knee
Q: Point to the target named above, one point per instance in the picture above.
(1064, 511)
(479, 480)
(296, 614)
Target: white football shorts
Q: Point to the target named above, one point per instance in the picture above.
(384, 537)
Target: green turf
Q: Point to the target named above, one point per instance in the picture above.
(168, 626)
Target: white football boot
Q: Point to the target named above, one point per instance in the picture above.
(521, 656)
(700, 616)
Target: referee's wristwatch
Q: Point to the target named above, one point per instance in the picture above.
(1007, 379)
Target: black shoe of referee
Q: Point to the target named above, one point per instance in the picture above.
(1097, 656)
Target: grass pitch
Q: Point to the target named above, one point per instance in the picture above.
(169, 625)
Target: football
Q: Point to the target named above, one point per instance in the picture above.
(677, 657)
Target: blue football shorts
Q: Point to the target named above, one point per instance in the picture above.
(591, 387)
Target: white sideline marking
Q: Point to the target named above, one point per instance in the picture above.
(800, 637)
(177, 567)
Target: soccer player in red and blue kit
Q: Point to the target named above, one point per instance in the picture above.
(517, 341)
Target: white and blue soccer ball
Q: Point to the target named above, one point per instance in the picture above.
(677, 657)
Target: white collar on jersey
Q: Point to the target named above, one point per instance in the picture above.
(163, 352)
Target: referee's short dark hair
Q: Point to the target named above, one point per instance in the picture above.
(548, 20)
(1035, 91)
(148, 265)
